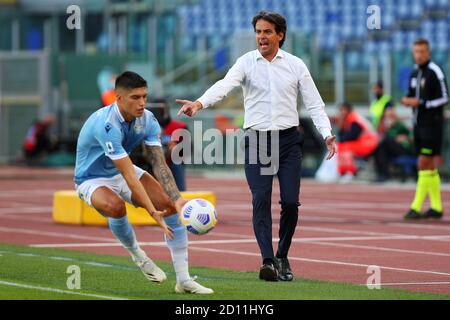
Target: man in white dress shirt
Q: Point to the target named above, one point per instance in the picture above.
(271, 80)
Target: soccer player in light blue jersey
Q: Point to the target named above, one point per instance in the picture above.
(105, 178)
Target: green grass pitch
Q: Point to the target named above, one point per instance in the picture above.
(36, 273)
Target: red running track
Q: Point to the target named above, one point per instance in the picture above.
(342, 230)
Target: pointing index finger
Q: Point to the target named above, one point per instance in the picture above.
(180, 112)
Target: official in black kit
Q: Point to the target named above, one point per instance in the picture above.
(427, 95)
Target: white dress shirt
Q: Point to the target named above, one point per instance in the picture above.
(270, 92)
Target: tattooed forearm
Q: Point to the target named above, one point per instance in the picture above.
(162, 172)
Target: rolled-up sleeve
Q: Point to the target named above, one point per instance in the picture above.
(313, 101)
(222, 88)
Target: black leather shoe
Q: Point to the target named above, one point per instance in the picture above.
(413, 215)
(431, 213)
(268, 272)
(284, 270)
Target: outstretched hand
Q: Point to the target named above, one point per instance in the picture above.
(159, 218)
(189, 108)
(410, 102)
(331, 146)
(179, 203)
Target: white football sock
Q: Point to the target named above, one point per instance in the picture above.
(178, 247)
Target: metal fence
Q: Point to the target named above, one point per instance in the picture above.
(24, 96)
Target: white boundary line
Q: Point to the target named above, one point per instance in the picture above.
(90, 245)
(59, 258)
(27, 286)
(53, 234)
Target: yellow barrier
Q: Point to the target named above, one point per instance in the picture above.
(68, 208)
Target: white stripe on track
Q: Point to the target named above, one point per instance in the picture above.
(21, 210)
(408, 283)
(323, 261)
(232, 241)
(418, 226)
(27, 217)
(26, 193)
(237, 241)
(344, 245)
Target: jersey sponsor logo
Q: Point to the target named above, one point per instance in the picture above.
(109, 147)
(107, 128)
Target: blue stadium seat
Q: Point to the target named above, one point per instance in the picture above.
(332, 21)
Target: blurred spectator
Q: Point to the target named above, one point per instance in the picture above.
(106, 81)
(161, 110)
(39, 142)
(396, 145)
(224, 123)
(378, 107)
(356, 139)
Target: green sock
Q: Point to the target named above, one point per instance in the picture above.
(422, 189)
(435, 192)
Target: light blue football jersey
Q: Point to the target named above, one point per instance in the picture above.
(106, 136)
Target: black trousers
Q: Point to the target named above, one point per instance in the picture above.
(387, 150)
(289, 172)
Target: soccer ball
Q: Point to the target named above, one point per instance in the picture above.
(199, 216)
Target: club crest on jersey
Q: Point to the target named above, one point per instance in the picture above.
(138, 128)
(107, 127)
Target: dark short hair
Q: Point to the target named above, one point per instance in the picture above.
(346, 105)
(130, 80)
(422, 41)
(274, 18)
(379, 84)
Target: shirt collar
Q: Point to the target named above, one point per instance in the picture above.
(280, 54)
(422, 66)
(117, 111)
